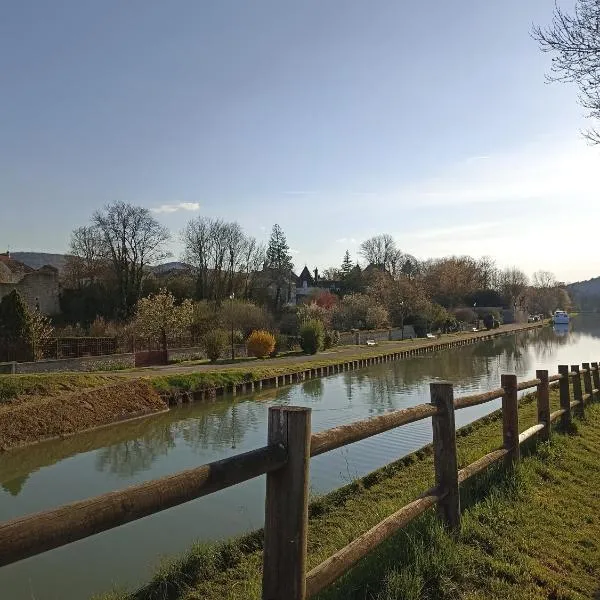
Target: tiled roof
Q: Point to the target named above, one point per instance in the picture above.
(14, 266)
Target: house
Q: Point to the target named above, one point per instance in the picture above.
(38, 287)
(308, 285)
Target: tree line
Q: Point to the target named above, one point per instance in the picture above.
(110, 269)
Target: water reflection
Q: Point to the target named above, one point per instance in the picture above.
(50, 474)
(129, 449)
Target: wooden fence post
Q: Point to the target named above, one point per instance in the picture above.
(444, 449)
(286, 507)
(510, 419)
(587, 380)
(596, 378)
(565, 398)
(577, 393)
(543, 403)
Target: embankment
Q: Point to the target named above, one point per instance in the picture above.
(30, 419)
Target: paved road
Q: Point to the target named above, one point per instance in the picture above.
(341, 353)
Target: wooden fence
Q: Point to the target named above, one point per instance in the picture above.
(285, 460)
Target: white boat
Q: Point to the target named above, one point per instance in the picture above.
(560, 317)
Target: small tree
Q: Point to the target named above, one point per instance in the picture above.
(260, 344)
(42, 331)
(214, 343)
(159, 317)
(312, 336)
(377, 316)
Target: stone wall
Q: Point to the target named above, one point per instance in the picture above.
(108, 362)
(379, 335)
(39, 287)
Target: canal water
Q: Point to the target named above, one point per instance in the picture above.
(53, 473)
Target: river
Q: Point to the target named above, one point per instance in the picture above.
(53, 473)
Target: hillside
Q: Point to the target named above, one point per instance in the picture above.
(586, 294)
(36, 260)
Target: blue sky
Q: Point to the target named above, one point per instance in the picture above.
(338, 120)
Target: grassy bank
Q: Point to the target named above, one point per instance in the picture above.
(529, 534)
(49, 384)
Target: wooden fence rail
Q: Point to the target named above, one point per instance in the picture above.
(285, 460)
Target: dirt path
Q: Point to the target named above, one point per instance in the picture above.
(335, 354)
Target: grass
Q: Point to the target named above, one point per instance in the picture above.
(530, 533)
(50, 384)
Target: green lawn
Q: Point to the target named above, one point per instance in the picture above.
(533, 533)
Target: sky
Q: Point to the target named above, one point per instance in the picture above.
(338, 120)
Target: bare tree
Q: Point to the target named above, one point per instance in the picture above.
(574, 39)
(513, 285)
(132, 239)
(380, 250)
(224, 257)
(488, 273)
(254, 258)
(86, 261)
(544, 280)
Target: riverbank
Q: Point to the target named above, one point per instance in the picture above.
(532, 534)
(28, 418)
(35, 408)
(180, 383)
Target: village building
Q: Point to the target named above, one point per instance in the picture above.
(38, 287)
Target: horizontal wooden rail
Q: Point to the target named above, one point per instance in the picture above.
(330, 439)
(525, 385)
(556, 377)
(481, 464)
(335, 566)
(27, 536)
(529, 433)
(475, 399)
(556, 414)
(574, 403)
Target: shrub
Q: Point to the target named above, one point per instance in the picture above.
(214, 343)
(377, 316)
(312, 335)
(331, 339)
(260, 343)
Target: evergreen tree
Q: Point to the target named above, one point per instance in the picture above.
(279, 263)
(347, 264)
(16, 326)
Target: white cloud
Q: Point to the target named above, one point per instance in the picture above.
(545, 171)
(471, 231)
(171, 208)
(346, 241)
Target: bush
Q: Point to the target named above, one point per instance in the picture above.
(331, 339)
(312, 336)
(260, 344)
(214, 343)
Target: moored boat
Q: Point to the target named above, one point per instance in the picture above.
(560, 317)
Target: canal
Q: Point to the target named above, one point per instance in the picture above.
(53, 473)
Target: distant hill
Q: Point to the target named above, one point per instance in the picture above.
(586, 294)
(170, 267)
(36, 260)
